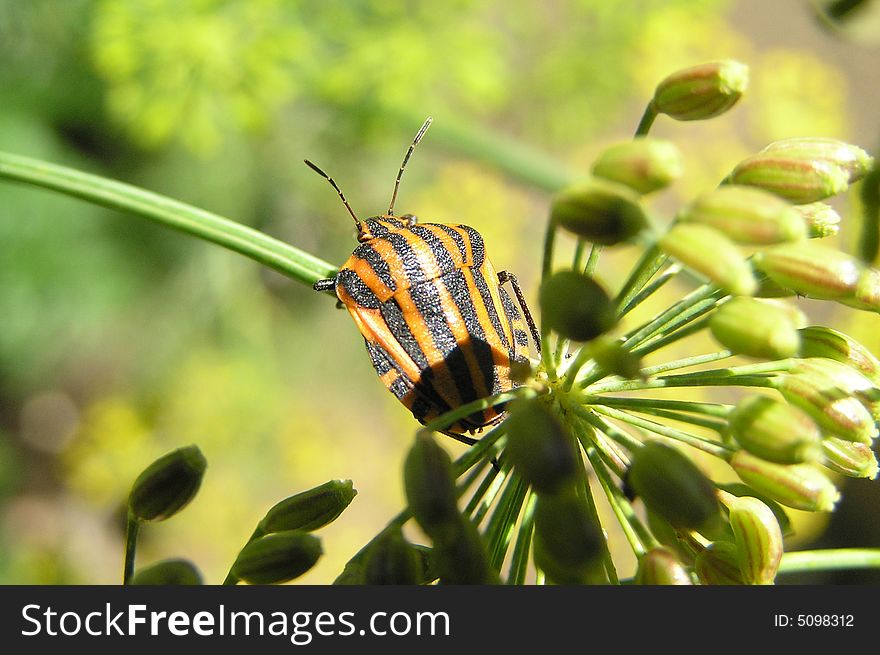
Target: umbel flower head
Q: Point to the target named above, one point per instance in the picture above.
(606, 416)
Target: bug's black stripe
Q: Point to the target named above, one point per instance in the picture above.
(380, 267)
(455, 235)
(426, 299)
(457, 287)
(379, 358)
(400, 387)
(485, 296)
(522, 337)
(412, 267)
(355, 287)
(436, 246)
(393, 317)
(420, 408)
(477, 246)
(424, 391)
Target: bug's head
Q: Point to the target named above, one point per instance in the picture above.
(368, 228)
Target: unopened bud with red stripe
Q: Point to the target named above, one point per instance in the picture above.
(643, 164)
(800, 181)
(718, 564)
(852, 159)
(758, 539)
(850, 458)
(701, 92)
(750, 327)
(822, 219)
(747, 215)
(801, 486)
(774, 430)
(820, 341)
(708, 251)
(811, 269)
(660, 566)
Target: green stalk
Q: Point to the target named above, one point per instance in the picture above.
(705, 409)
(701, 443)
(132, 525)
(587, 494)
(270, 252)
(648, 290)
(519, 562)
(620, 437)
(647, 120)
(649, 263)
(686, 362)
(503, 520)
(830, 560)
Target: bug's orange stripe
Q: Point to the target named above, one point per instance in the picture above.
(491, 277)
(374, 328)
(500, 354)
(366, 273)
(448, 244)
(444, 383)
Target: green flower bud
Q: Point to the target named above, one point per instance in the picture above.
(718, 564)
(167, 485)
(660, 566)
(801, 486)
(747, 215)
(811, 269)
(461, 557)
(277, 557)
(392, 560)
(643, 164)
(168, 572)
(575, 306)
(671, 485)
(740, 489)
(843, 377)
(701, 92)
(822, 220)
(795, 314)
(758, 540)
(614, 359)
(310, 509)
(851, 458)
(852, 159)
(750, 327)
(775, 431)
(835, 410)
(867, 292)
(819, 341)
(539, 446)
(568, 543)
(429, 482)
(599, 211)
(709, 252)
(800, 181)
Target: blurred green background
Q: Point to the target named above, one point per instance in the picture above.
(120, 341)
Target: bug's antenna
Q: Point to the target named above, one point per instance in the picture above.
(409, 152)
(338, 190)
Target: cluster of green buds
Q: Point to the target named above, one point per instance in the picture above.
(577, 427)
(281, 547)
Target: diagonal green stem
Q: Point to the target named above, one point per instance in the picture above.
(830, 559)
(275, 254)
(131, 533)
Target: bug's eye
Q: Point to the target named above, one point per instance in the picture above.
(409, 219)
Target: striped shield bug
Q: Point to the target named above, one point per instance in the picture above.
(440, 329)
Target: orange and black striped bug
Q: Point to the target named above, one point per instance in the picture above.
(440, 329)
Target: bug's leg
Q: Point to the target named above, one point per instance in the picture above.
(470, 441)
(325, 285)
(504, 276)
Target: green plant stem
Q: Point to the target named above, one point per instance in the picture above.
(519, 561)
(132, 525)
(620, 437)
(648, 264)
(704, 409)
(587, 494)
(649, 289)
(678, 314)
(499, 531)
(686, 362)
(623, 511)
(590, 437)
(270, 252)
(479, 503)
(701, 443)
(830, 559)
(660, 342)
(647, 120)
